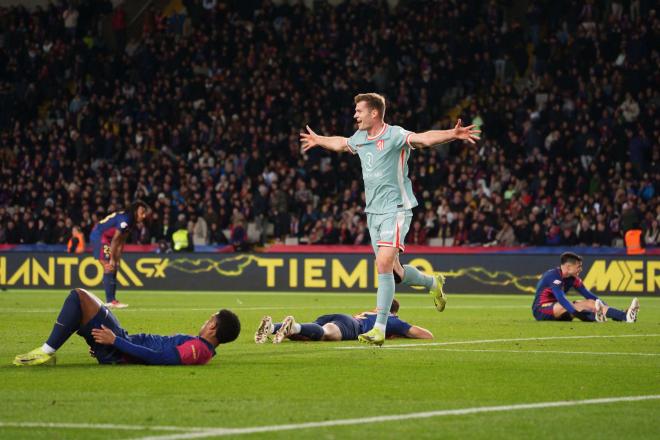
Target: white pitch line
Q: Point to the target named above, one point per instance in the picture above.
(602, 353)
(220, 432)
(491, 341)
(109, 426)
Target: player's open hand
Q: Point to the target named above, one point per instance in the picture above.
(309, 140)
(103, 335)
(469, 133)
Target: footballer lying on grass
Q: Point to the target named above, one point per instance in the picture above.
(109, 343)
(337, 327)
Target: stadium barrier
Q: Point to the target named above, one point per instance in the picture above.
(322, 272)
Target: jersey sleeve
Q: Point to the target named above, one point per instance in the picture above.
(396, 326)
(561, 296)
(352, 141)
(145, 354)
(579, 286)
(194, 352)
(123, 224)
(401, 138)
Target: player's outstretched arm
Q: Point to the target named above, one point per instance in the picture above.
(416, 332)
(587, 293)
(310, 140)
(435, 137)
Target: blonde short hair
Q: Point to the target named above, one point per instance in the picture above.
(374, 101)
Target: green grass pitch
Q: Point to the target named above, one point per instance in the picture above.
(498, 356)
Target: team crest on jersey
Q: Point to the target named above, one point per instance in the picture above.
(380, 145)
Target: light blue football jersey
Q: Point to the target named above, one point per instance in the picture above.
(384, 159)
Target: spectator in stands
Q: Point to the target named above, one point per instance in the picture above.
(238, 236)
(652, 234)
(82, 127)
(417, 234)
(505, 237)
(76, 244)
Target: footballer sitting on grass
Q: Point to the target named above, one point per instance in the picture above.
(109, 343)
(551, 304)
(337, 327)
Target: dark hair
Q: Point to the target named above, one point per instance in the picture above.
(137, 204)
(374, 101)
(570, 257)
(228, 326)
(394, 308)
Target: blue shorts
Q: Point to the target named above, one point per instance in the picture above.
(105, 354)
(348, 326)
(546, 312)
(101, 250)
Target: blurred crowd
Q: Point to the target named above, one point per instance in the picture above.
(199, 116)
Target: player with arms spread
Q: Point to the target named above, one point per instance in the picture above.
(108, 239)
(384, 150)
(109, 343)
(550, 302)
(337, 327)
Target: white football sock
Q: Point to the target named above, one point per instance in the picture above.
(47, 349)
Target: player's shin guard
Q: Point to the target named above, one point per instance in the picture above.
(615, 314)
(67, 322)
(312, 331)
(110, 285)
(413, 277)
(384, 297)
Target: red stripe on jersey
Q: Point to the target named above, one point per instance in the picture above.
(379, 133)
(396, 237)
(408, 141)
(194, 352)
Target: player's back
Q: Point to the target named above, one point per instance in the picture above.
(120, 220)
(395, 325)
(549, 280)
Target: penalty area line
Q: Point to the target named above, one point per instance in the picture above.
(104, 426)
(597, 353)
(494, 341)
(395, 417)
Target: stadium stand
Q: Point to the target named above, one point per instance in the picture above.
(570, 152)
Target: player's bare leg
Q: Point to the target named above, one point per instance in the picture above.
(558, 311)
(331, 332)
(90, 305)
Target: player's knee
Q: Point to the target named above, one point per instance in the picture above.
(397, 278)
(331, 332)
(384, 264)
(78, 294)
(87, 299)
